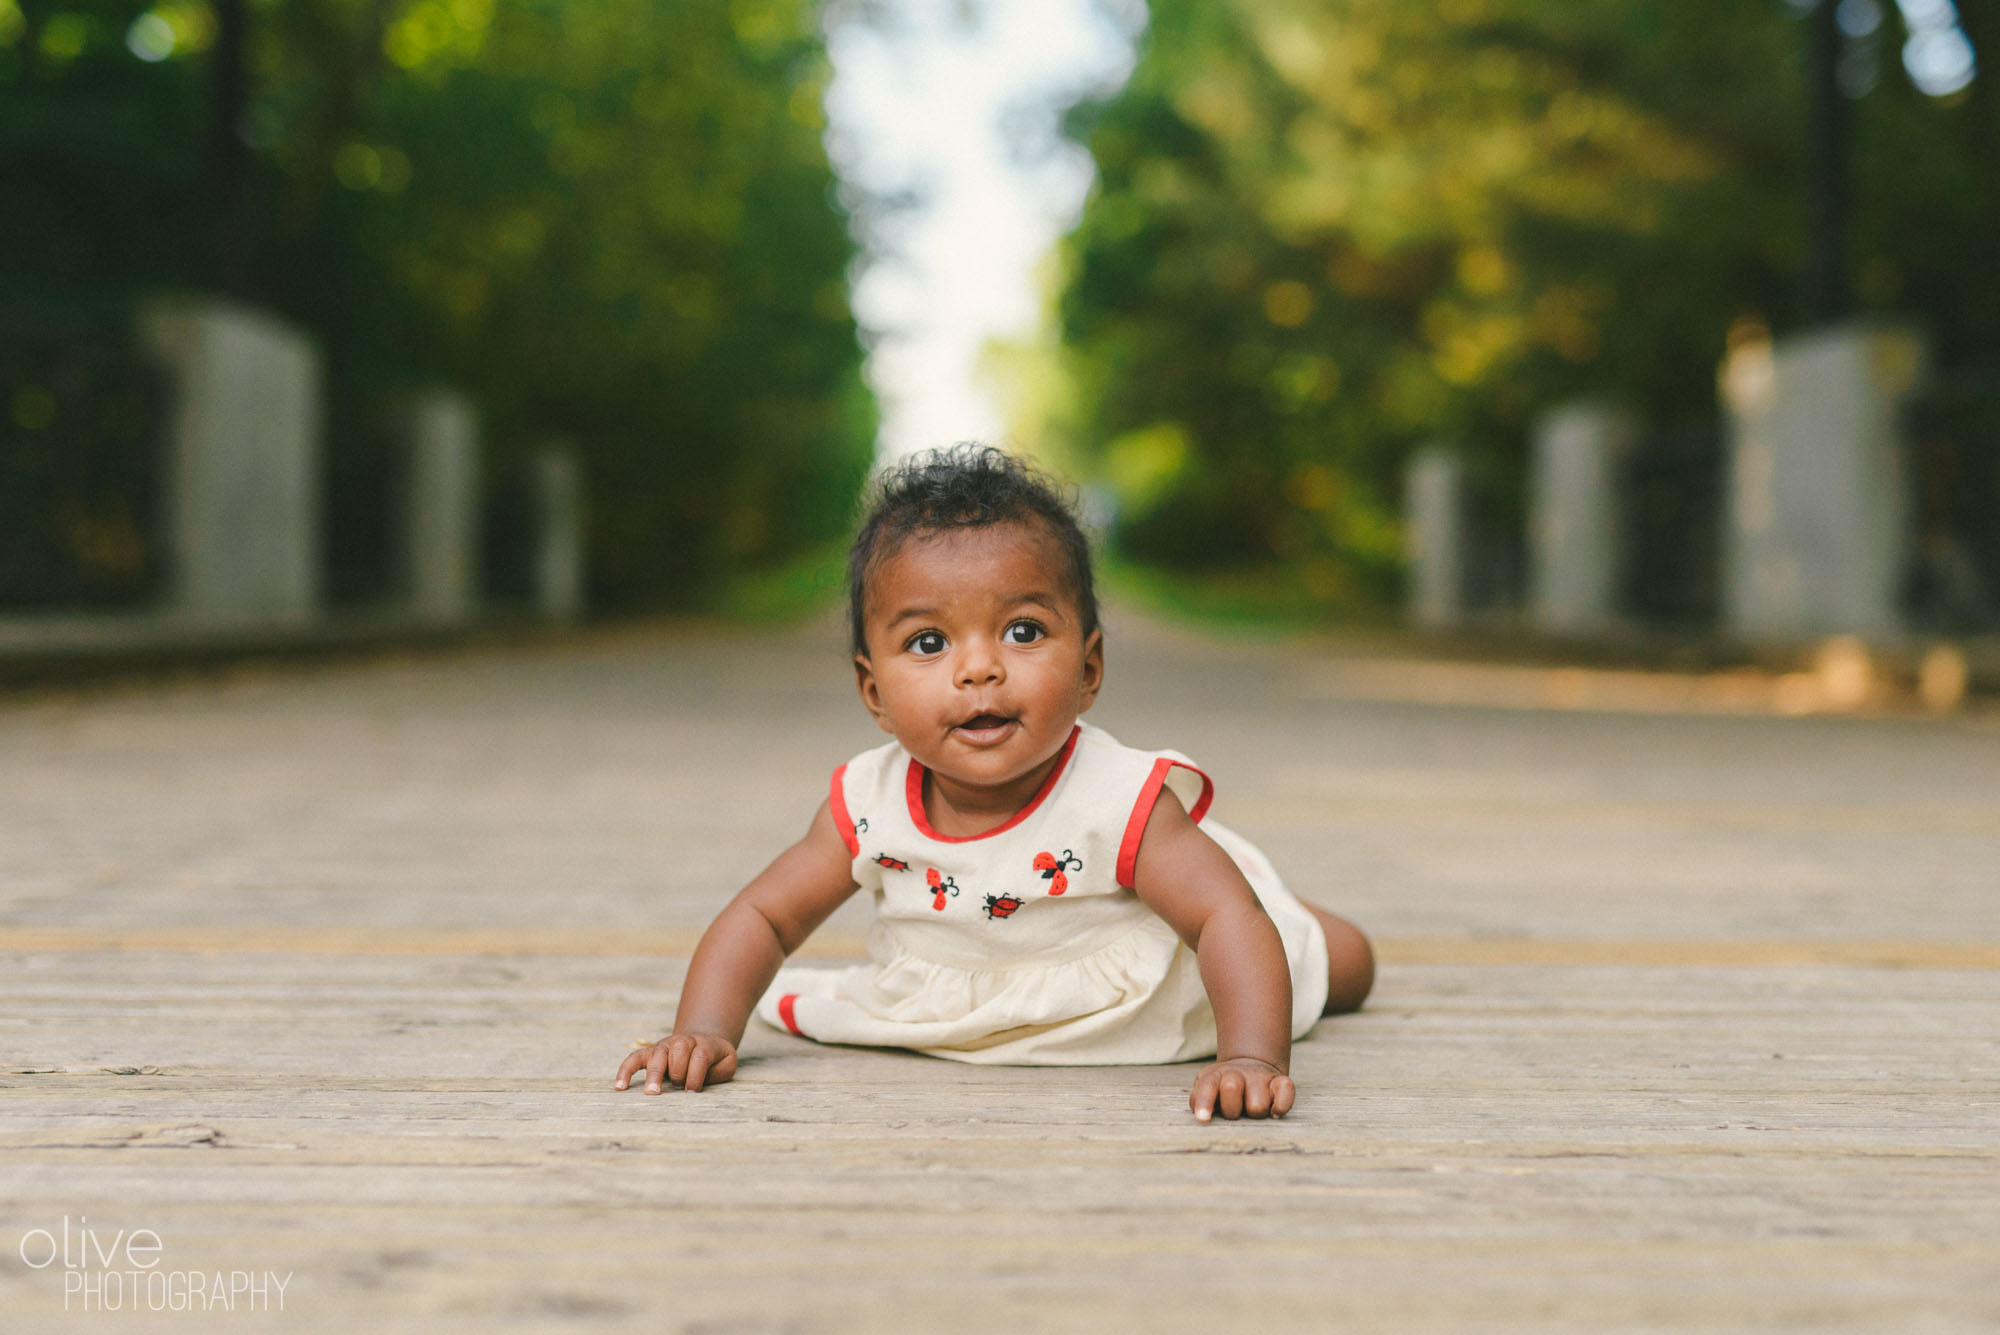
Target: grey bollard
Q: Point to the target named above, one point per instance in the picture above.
(559, 535)
(1576, 527)
(1816, 539)
(1435, 513)
(242, 497)
(442, 508)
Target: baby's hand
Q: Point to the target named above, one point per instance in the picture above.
(690, 1060)
(1242, 1087)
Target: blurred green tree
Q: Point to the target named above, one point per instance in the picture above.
(608, 221)
(1327, 230)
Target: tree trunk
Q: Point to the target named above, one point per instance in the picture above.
(226, 201)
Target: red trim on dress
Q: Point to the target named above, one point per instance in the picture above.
(913, 791)
(1142, 810)
(785, 1005)
(838, 802)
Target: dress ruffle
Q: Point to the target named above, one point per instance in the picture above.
(1041, 1014)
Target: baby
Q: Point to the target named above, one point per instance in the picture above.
(1043, 894)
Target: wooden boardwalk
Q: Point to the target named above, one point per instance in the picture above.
(1687, 1020)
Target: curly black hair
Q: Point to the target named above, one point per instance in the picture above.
(966, 486)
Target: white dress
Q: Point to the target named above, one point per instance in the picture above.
(1026, 944)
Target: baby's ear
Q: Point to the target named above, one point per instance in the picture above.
(1093, 669)
(871, 692)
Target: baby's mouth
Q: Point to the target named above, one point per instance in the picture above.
(984, 727)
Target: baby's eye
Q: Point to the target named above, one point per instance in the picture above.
(1024, 632)
(927, 642)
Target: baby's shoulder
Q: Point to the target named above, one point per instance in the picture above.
(1125, 784)
(872, 765)
(1100, 751)
(866, 788)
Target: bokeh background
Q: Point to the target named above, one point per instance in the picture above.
(1227, 265)
(1606, 392)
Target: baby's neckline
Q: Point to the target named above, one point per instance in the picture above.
(913, 791)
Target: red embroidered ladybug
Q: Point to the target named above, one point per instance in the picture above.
(1001, 906)
(943, 885)
(1054, 869)
(893, 864)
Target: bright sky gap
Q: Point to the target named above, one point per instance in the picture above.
(951, 105)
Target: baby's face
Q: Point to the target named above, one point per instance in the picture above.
(977, 659)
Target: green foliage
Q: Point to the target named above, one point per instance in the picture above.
(805, 585)
(1258, 601)
(98, 151)
(79, 471)
(607, 221)
(1329, 230)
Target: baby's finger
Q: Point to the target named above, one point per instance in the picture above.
(1257, 1098)
(656, 1067)
(697, 1068)
(1229, 1094)
(633, 1061)
(1283, 1091)
(1201, 1099)
(677, 1057)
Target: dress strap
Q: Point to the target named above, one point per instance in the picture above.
(837, 802)
(1142, 810)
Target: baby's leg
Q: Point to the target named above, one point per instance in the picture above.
(1350, 963)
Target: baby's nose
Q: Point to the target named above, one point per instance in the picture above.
(979, 663)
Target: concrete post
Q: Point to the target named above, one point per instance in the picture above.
(1436, 540)
(560, 559)
(442, 508)
(243, 489)
(1576, 525)
(1817, 536)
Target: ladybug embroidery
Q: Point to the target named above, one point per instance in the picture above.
(943, 885)
(893, 864)
(1001, 906)
(1055, 869)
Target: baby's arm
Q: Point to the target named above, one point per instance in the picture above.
(1186, 878)
(738, 956)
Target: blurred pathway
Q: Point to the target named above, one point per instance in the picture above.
(1686, 1019)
